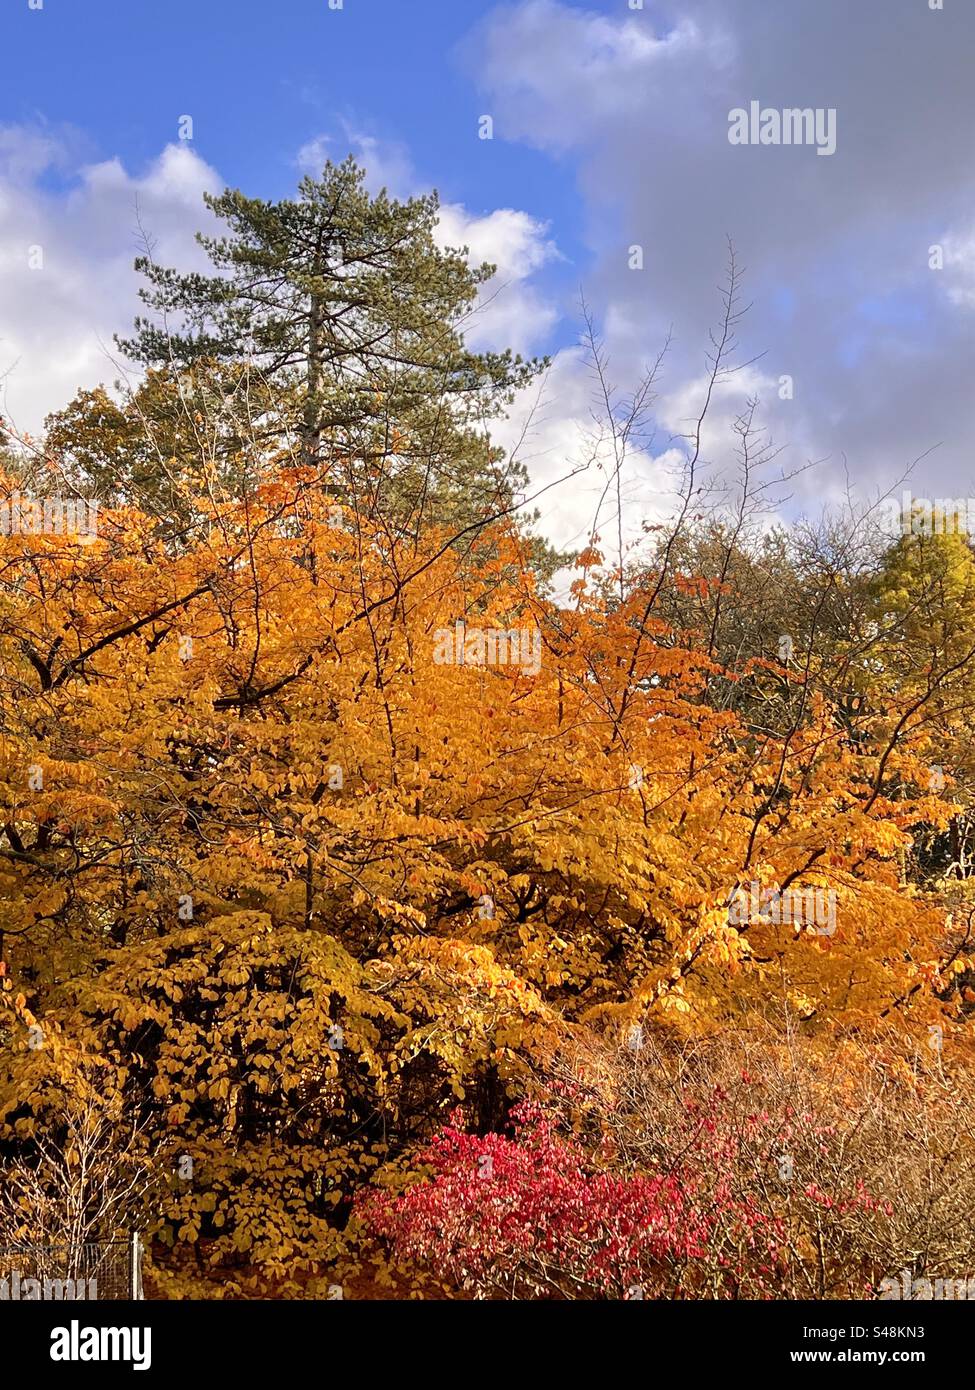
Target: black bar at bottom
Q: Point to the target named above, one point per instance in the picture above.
(405, 1339)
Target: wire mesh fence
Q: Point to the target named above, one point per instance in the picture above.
(103, 1270)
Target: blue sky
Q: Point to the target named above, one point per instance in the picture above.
(259, 79)
(611, 127)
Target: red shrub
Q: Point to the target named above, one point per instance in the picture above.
(534, 1215)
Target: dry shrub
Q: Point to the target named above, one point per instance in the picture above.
(859, 1156)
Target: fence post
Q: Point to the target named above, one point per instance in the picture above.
(135, 1266)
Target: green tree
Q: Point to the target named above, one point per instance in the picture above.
(347, 319)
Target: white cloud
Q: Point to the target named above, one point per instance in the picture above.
(595, 68)
(511, 312)
(835, 249)
(513, 241)
(58, 319)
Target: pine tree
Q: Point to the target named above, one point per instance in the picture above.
(346, 317)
